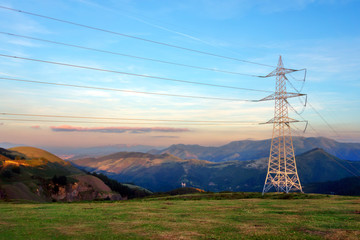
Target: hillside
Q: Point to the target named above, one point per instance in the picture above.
(346, 186)
(37, 175)
(31, 152)
(166, 172)
(251, 149)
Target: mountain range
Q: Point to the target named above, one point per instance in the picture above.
(255, 149)
(70, 153)
(237, 150)
(163, 172)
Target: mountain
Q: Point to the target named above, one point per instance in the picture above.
(37, 175)
(71, 153)
(251, 149)
(165, 172)
(346, 186)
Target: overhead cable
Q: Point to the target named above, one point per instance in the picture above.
(128, 55)
(132, 74)
(327, 123)
(126, 91)
(127, 119)
(313, 108)
(133, 37)
(106, 122)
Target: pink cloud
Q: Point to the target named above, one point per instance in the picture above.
(67, 128)
(35, 127)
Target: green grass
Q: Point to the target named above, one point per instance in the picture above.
(194, 216)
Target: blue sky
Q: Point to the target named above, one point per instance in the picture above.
(321, 36)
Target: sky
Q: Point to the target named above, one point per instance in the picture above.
(321, 36)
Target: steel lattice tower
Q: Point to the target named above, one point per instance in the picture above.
(282, 173)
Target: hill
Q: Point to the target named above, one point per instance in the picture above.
(346, 186)
(251, 149)
(69, 153)
(37, 175)
(33, 153)
(166, 172)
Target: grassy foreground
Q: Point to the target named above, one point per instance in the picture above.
(186, 217)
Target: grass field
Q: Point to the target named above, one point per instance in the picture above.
(196, 216)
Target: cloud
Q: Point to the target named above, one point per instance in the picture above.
(35, 127)
(67, 128)
(165, 136)
(1, 124)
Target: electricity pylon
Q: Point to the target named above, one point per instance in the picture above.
(282, 173)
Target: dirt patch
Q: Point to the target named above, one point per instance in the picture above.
(315, 232)
(339, 234)
(255, 229)
(5, 224)
(180, 236)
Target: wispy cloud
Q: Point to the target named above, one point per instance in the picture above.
(35, 127)
(67, 128)
(165, 136)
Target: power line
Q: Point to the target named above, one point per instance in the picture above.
(152, 123)
(327, 123)
(134, 37)
(127, 119)
(127, 55)
(313, 108)
(127, 91)
(132, 74)
(341, 165)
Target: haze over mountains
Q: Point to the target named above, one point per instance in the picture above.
(252, 149)
(237, 150)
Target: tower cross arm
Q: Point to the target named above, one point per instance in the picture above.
(277, 120)
(280, 71)
(281, 96)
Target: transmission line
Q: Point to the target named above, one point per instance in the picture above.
(316, 132)
(127, 91)
(327, 123)
(127, 119)
(127, 55)
(313, 108)
(152, 123)
(132, 74)
(133, 37)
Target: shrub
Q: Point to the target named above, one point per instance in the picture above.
(61, 180)
(16, 169)
(7, 174)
